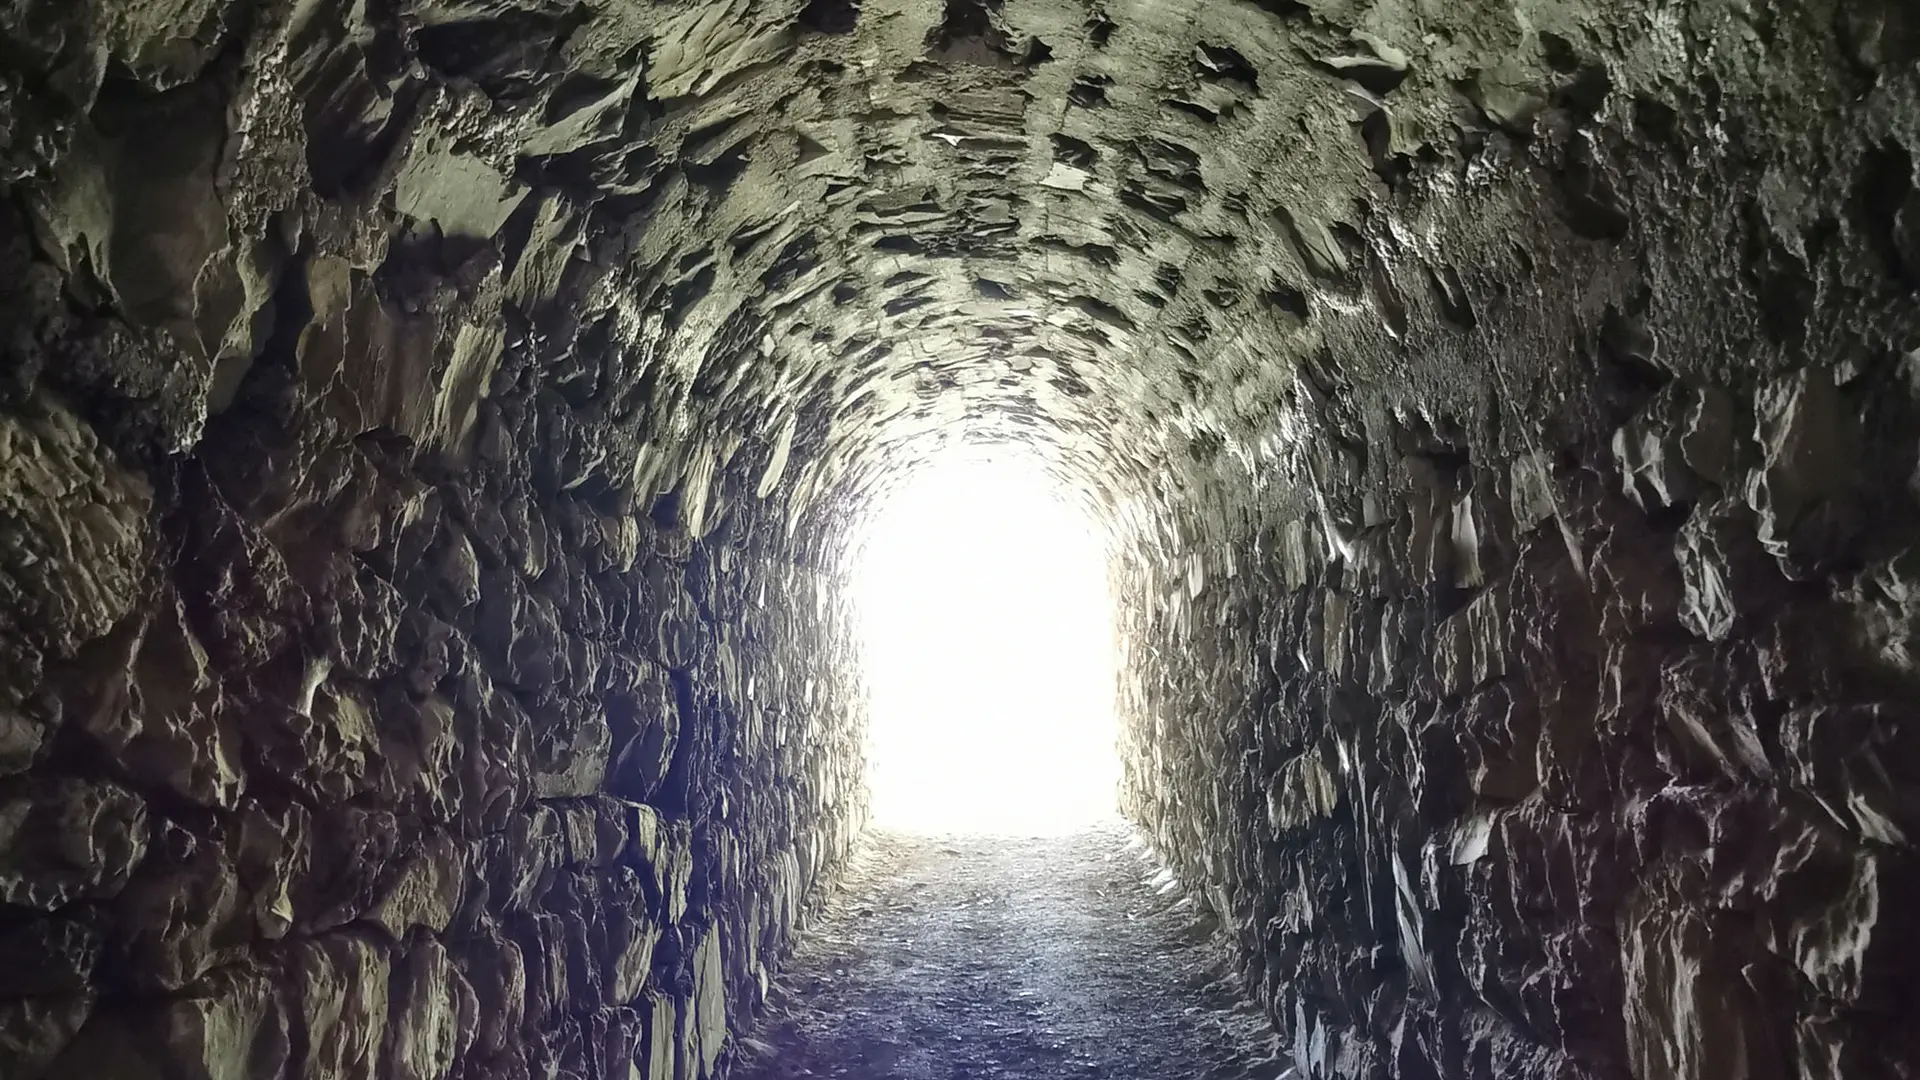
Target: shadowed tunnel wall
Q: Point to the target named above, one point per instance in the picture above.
(431, 431)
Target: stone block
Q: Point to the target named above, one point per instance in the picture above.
(1648, 452)
(1849, 758)
(149, 694)
(74, 529)
(340, 990)
(181, 915)
(426, 892)
(1305, 790)
(1690, 1012)
(1805, 490)
(34, 1031)
(67, 840)
(49, 956)
(434, 1014)
(230, 1027)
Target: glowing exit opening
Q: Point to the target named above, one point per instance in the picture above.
(988, 634)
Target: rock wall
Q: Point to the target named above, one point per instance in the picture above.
(1556, 718)
(321, 760)
(368, 708)
(1598, 761)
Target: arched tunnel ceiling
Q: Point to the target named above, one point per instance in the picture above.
(1156, 238)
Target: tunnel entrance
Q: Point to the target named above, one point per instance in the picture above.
(987, 627)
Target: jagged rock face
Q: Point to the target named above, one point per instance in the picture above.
(430, 430)
(363, 713)
(1549, 712)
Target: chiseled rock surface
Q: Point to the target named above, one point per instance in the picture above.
(1637, 803)
(430, 432)
(1616, 784)
(392, 685)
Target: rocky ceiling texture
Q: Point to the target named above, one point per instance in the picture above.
(431, 429)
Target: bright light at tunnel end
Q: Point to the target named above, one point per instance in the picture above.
(981, 594)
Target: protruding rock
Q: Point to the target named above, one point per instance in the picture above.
(21, 737)
(1633, 571)
(1804, 490)
(704, 1017)
(34, 1030)
(231, 1027)
(1303, 791)
(182, 914)
(1707, 441)
(1503, 726)
(354, 849)
(340, 989)
(1472, 646)
(571, 752)
(1648, 452)
(274, 850)
(1851, 949)
(1724, 571)
(493, 968)
(432, 1022)
(1690, 1011)
(1848, 758)
(1714, 728)
(426, 893)
(1533, 499)
(72, 557)
(68, 840)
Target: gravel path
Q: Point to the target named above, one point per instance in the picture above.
(969, 958)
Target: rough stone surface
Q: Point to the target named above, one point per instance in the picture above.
(392, 685)
(431, 434)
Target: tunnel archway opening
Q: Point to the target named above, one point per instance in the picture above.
(981, 597)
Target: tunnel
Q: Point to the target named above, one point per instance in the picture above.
(442, 443)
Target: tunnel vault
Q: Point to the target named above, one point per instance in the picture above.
(430, 429)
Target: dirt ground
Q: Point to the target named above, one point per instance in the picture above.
(969, 958)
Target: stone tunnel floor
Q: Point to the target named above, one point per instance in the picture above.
(956, 958)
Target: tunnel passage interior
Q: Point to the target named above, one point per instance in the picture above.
(431, 434)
